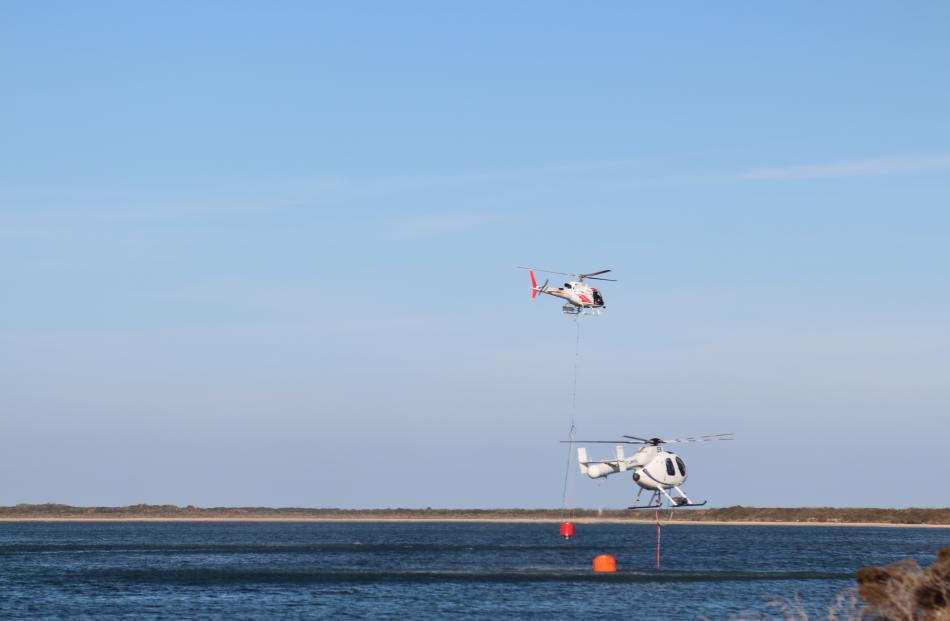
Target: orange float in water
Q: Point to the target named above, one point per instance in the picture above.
(567, 529)
(605, 563)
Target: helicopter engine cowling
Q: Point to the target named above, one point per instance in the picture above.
(595, 471)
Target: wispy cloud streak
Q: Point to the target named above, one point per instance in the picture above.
(326, 192)
(878, 167)
(441, 223)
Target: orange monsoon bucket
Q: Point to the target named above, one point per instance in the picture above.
(605, 563)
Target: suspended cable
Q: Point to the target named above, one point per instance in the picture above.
(567, 500)
(577, 354)
(568, 480)
(659, 507)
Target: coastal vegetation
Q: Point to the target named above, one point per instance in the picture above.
(737, 514)
(904, 591)
(900, 591)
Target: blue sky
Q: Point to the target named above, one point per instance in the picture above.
(256, 254)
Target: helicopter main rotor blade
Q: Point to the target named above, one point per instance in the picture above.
(656, 441)
(599, 442)
(711, 438)
(636, 438)
(545, 271)
(594, 275)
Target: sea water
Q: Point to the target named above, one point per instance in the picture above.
(432, 570)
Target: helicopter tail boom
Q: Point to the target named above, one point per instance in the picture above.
(582, 459)
(597, 468)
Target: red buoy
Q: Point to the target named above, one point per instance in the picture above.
(567, 529)
(605, 563)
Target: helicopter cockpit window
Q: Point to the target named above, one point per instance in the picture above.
(598, 299)
(681, 465)
(567, 285)
(669, 467)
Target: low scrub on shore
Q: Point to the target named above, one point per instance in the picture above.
(738, 514)
(901, 591)
(904, 591)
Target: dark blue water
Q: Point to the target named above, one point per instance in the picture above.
(411, 571)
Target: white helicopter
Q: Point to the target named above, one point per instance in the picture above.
(654, 468)
(581, 298)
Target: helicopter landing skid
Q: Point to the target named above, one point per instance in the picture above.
(570, 309)
(674, 506)
(656, 500)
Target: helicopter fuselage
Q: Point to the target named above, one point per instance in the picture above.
(579, 294)
(581, 298)
(653, 467)
(665, 470)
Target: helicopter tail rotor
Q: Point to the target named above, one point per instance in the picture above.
(535, 289)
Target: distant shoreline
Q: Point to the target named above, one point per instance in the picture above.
(748, 516)
(499, 520)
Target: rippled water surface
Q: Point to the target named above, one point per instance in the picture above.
(311, 570)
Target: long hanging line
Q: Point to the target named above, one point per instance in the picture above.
(659, 506)
(577, 354)
(568, 481)
(568, 500)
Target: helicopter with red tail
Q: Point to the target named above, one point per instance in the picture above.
(580, 298)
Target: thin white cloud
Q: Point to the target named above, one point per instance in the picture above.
(384, 186)
(441, 223)
(325, 192)
(847, 169)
